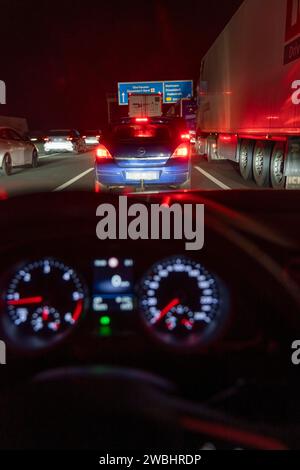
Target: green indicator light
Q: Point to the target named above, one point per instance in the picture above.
(105, 331)
(104, 321)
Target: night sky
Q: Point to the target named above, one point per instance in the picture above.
(60, 58)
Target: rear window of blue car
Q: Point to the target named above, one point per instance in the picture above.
(153, 132)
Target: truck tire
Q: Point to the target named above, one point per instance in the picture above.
(211, 150)
(277, 177)
(246, 159)
(201, 146)
(261, 162)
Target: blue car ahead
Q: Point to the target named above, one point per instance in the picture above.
(144, 152)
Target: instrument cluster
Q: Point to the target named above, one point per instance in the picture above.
(178, 302)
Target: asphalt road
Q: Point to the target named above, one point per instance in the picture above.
(63, 172)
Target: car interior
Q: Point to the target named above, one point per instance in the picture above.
(112, 373)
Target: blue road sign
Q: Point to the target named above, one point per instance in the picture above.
(175, 90)
(138, 87)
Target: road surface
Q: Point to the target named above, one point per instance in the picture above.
(63, 172)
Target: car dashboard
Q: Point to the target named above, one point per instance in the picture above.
(217, 323)
(149, 304)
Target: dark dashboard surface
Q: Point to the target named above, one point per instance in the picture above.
(65, 233)
(131, 304)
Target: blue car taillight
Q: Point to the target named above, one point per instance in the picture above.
(102, 153)
(182, 151)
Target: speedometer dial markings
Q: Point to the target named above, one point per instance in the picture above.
(44, 298)
(181, 302)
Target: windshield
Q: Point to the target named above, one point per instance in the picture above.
(59, 132)
(91, 133)
(242, 133)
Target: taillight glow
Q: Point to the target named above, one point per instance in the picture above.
(230, 138)
(46, 139)
(142, 119)
(185, 136)
(102, 152)
(69, 138)
(182, 151)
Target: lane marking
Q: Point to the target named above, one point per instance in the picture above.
(48, 156)
(73, 180)
(212, 178)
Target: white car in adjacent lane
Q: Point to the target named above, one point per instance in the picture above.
(16, 150)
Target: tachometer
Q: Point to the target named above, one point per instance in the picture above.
(43, 300)
(182, 303)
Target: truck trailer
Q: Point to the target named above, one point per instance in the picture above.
(144, 105)
(249, 94)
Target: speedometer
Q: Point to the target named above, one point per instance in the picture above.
(43, 301)
(182, 303)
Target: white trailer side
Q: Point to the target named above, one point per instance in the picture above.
(249, 91)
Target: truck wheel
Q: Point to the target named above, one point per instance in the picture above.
(261, 163)
(211, 150)
(277, 166)
(7, 165)
(246, 159)
(201, 146)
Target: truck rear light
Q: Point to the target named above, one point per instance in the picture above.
(182, 151)
(142, 119)
(102, 153)
(230, 138)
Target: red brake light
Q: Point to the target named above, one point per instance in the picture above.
(230, 138)
(182, 151)
(142, 119)
(102, 153)
(46, 139)
(84, 136)
(69, 138)
(185, 136)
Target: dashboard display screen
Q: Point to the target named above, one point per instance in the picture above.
(113, 285)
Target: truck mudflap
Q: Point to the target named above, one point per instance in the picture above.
(292, 164)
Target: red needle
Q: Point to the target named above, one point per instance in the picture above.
(167, 308)
(25, 301)
(186, 323)
(78, 310)
(45, 314)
